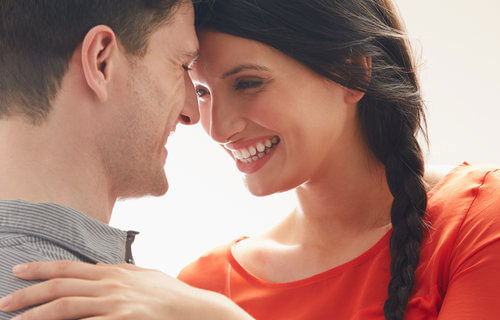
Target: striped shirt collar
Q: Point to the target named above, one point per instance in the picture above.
(67, 228)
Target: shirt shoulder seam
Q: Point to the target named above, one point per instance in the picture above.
(477, 192)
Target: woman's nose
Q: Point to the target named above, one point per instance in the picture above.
(225, 121)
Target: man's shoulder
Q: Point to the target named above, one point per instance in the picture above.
(16, 248)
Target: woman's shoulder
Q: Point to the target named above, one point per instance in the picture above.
(464, 209)
(465, 191)
(210, 270)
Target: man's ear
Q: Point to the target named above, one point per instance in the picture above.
(363, 63)
(98, 48)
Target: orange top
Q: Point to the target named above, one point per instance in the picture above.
(458, 276)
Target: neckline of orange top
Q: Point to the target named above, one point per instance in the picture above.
(381, 244)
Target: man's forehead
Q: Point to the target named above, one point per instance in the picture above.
(179, 34)
(191, 54)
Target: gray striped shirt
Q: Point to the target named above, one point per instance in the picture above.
(47, 231)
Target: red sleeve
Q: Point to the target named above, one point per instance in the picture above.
(474, 286)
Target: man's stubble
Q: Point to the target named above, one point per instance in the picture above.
(131, 155)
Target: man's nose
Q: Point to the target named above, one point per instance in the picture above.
(190, 113)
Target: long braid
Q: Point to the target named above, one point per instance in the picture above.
(391, 134)
(390, 127)
(391, 117)
(404, 170)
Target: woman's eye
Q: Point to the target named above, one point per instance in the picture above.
(200, 92)
(242, 85)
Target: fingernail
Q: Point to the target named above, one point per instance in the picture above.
(5, 301)
(20, 268)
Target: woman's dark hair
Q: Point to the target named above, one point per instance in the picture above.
(326, 36)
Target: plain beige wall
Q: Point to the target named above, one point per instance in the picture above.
(459, 43)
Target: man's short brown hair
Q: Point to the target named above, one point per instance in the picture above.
(39, 37)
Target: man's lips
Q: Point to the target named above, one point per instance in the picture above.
(169, 133)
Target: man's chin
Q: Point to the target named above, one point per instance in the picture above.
(160, 191)
(160, 186)
(155, 185)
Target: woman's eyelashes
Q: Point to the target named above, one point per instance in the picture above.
(239, 85)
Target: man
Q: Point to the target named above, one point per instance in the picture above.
(89, 93)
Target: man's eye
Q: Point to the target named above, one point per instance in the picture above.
(200, 92)
(242, 85)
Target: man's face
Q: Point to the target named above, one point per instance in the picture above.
(155, 97)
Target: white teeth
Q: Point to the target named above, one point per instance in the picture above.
(256, 152)
(245, 153)
(252, 151)
(261, 147)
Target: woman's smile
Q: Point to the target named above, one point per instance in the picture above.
(252, 155)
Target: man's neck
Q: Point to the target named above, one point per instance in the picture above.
(49, 164)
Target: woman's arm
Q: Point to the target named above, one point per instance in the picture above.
(76, 290)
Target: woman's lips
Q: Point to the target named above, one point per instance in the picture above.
(164, 154)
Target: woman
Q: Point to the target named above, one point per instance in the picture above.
(334, 84)
(322, 97)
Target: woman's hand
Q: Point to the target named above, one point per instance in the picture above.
(76, 290)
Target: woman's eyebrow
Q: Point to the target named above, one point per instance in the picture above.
(243, 67)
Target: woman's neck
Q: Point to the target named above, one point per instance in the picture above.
(345, 200)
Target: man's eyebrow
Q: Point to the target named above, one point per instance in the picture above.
(243, 67)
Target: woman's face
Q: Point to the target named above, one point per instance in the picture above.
(283, 124)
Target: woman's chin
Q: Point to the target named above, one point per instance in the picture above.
(258, 189)
(259, 186)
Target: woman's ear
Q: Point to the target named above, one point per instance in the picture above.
(98, 48)
(363, 63)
